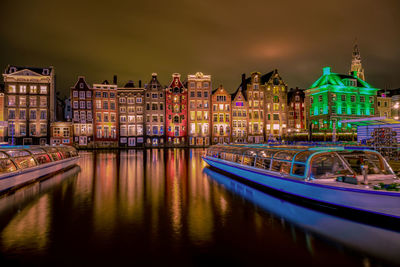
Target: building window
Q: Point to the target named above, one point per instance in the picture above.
(43, 89)
(11, 114)
(22, 89)
(32, 114)
(43, 114)
(353, 98)
(343, 97)
(32, 129)
(12, 89)
(105, 105)
(22, 129)
(112, 105)
(362, 98)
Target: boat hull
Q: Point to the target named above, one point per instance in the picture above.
(377, 202)
(12, 180)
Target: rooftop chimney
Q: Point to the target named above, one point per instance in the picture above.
(243, 80)
(140, 83)
(115, 80)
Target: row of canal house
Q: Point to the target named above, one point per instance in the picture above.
(183, 113)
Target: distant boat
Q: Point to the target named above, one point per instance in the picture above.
(21, 165)
(347, 178)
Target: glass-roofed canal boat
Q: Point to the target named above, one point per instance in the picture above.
(354, 179)
(21, 165)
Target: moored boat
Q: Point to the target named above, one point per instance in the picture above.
(21, 165)
(353, 179)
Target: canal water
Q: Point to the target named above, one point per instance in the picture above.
(165, 207)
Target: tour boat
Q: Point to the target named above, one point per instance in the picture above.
(21, 165)
(349, 178)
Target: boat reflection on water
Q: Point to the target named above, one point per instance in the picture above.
(15, 201)
(366, 239)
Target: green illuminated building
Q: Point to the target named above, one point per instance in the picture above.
(335, 97)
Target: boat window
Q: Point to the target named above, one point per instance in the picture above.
(229, 156)
(303, 156)
(36, 151)
(266, 153)
(249, 161)
(286, 154)
(237, 158)
(329, 165)
(55, 156)
(373, 161)
(25, 162)
(298, 169)
(17, 153)
(281, 166)
(42, 158)
(263, 163)
(6, 165)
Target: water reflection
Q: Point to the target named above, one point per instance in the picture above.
(164, 207)
(381, 243)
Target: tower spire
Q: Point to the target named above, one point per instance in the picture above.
(356, 62)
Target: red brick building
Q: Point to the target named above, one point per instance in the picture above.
(176, 112)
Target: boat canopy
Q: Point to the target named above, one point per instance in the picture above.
(13, 159)
(302, 162)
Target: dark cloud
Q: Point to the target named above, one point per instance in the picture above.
(221, 38)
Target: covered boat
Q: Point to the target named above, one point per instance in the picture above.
(21, 165)
(348, 178)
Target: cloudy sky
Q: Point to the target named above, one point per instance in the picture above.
(223, 38)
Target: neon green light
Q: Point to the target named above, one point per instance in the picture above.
(327, 70)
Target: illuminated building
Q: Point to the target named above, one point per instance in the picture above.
(29, 104)
(221, 116)
(105, 114)
(82, 113)
(335, 97)
(199, 88)
(255, 98)
(383, 106)
(131, 110)
(155, 112)
(176, 113)
(239, 116)
(61, 133)
(3, 123)
(296, 110)
(356, 63)
(275, 105)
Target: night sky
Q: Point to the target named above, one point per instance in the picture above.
(223, 38)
